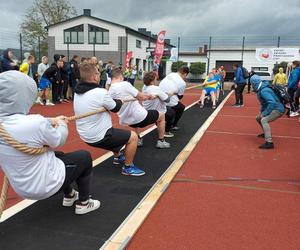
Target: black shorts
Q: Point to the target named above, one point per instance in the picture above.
(113, 140)
(151, 118)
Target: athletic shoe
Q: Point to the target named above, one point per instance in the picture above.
(169, 134)
(48, 103)
(140, 142)
(69, 201)
(236, 105)
(38, 100)
(293, 114)
(214, 107)
(119, 160)
(132, 170)
(201, 106)
(162, 144)
(242, 105)
(65, 100)
(261, 135)
(86, 207)
(175, 128)
(267, 145)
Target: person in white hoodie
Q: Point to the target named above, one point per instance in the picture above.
(40, 176)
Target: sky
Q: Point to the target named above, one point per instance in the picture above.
(190, 19)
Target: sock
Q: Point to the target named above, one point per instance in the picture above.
(127, 165)
(162, 140)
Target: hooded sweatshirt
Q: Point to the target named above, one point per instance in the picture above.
(31, 176)
(294, 79)
(268, 99)
(6, 62)
(280, 77)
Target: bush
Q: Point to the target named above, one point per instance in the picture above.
(176, 65)
(198, 68)
(280, 65)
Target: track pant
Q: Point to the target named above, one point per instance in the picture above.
(64, 89)
(264, 123)
(292, 94)
(170, 117)
(55, 92)
(79, 166)
(179, 109)
(296, 98)
(239, 94)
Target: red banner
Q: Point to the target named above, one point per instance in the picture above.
(127, 59)
(160, 46)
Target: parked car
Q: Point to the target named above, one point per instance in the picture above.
(264, 75)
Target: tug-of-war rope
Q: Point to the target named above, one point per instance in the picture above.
(35, 151)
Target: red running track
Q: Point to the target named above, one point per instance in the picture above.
(207, 207)
(74, 142)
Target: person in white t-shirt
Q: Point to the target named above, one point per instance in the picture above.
(160, 102)
(97, 130)
(40, 176)
(133, 113)
(175, 83)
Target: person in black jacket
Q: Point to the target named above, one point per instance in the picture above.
(51, 77)
(64, 80)
(7, 62)
(74, 73)
(57, 79)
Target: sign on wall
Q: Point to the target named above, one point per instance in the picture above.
(277, 54)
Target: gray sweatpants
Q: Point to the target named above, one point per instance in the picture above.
(264, 123)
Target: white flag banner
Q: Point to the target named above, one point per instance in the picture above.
(277, 54)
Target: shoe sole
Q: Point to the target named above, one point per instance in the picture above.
(169, 136)
(133, 174)
(85, 212)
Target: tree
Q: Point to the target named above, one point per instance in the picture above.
(198, 68)
(176, 65)
(41, 14)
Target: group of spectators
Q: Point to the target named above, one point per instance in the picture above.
(61, 77)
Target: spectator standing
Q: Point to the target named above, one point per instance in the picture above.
(280, 78)
(26, 67)
(292, 88)
(74, 73)
(42, 67)
(133, 75)
(56, 78)
(103, 76)
(7, 62)
(64, 79)
(239, 85)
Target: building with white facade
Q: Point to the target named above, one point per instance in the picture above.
(86, 36)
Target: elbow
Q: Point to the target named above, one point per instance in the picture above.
(117, 107)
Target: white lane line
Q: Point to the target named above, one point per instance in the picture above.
(253, 117)
(134, 220)
(13, 210)
(248, 134)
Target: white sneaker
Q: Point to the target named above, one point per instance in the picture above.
(48, 103)
(90, 206)
(294, 114)
(38, 100)
(162, 144)
(140, 142)
(169, 134)
(68, 202)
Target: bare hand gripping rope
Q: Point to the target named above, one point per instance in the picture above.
(36, 151)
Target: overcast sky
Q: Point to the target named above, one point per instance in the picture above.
(188, 19)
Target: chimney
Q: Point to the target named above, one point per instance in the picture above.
(87, 12)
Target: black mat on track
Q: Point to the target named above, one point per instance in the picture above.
(48, 225)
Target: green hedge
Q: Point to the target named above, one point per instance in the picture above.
(176, 65)
(198, 68)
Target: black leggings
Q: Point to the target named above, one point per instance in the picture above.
(179, 109)
(292, 95)
(239, 94)
(79, 167)
(170, 117)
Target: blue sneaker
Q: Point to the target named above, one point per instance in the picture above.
(132, 170)
(119, 160)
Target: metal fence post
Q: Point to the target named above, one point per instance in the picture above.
(39, 51)
(94, 46)
(243, 47)
(278, 42)
(208, 58)
(21, 48)
(178, 45)
(68, 49)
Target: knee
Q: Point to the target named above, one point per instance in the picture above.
(133, 137)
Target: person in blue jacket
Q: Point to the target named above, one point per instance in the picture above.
(239, 85)
(271, 108)
(292, 88)
(7, 62)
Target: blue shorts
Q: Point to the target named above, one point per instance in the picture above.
(44, 83)
(209, 90)
(219, 86)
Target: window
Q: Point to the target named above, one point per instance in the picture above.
(74, 35)
(138, 43)
(98, 35)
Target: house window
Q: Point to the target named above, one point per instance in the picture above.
(98, 35)
(138, 43)
(74, 35)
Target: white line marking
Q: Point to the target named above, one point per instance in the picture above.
(137, 216)
(246, 134)
(234, 178)
(206, 176)
(13, 210)
(253, 117)
(263, 180)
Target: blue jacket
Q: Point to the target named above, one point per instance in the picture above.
(268, 99)
(239, 76)
(5, 62)
(294, 79)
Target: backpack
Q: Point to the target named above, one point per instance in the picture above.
(282, 94)
(245, 73)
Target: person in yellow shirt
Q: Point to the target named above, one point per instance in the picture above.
(280, 78)
(26, 67)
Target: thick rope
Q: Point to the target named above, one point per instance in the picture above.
(35, 151)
